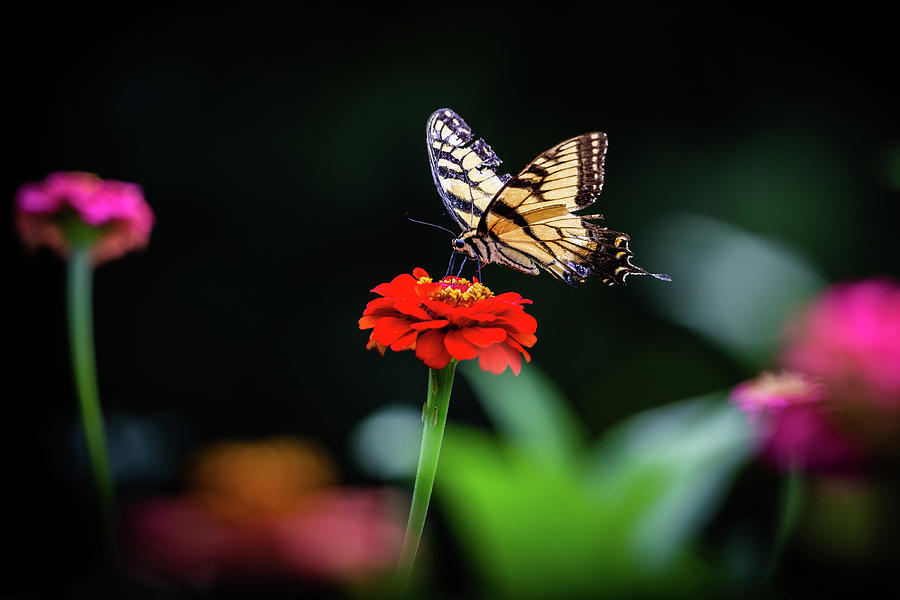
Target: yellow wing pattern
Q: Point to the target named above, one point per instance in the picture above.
(533, 216)
(463, 168)
(528, 222)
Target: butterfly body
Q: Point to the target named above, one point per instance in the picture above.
(528, 222)
(487, 249)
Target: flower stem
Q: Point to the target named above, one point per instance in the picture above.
(81, 342)
(789, 511)
(434, 415)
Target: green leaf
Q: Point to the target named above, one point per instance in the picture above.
(674, 465)
(529, 409)
(732, 287)
(527, 524)
(617, 520)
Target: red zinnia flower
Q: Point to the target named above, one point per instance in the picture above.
(115, 210)
(451, 318)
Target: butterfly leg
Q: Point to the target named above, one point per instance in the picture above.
(465, 258)
(450, 266)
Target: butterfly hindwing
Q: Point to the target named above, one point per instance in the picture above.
(534, 214)
(464, 169)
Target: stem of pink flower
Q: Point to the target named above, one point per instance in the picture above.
(788, 514)
(434, 415)
(81, 342)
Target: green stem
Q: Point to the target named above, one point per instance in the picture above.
(81, 341)
(789, 512)
(434, 415)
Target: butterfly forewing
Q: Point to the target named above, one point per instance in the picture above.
(463, 168)
(565, 178)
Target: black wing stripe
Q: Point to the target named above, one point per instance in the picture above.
(454, 155)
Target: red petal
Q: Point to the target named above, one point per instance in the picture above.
(379, 304)
(440, 309)
(514, 344)
(368, 321)
(493, 359)
(484, 336)
(496, 358)
(430, 349)
(521, 322)
(399, 286)
(458, 347)
(514, 359)
(507, 298)
(419, 273)
(463, 315)
(484, 318)
(526, 339)
(410, 307)
(436, 324)
(373, 344)
(424, 291)
(405, 342)
(389, 329)
(381, 307)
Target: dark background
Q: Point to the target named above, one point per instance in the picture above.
(282, 154)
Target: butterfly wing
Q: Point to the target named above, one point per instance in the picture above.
(463, 168)
(532, 222)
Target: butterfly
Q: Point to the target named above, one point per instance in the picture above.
(528, 222)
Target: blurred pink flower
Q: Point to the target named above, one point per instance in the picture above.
(342, 534)
(849, 338)
(117, 209)
(265, 509)
(789, 413)
(773, 392)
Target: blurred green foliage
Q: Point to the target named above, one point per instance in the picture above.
(542, 511)
(735, 289)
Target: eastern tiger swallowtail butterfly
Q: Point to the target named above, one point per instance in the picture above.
(528, 221)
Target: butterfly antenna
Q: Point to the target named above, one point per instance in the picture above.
(431, 224)
(479, 271)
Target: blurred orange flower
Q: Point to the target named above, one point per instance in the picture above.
(247, 481)
(267, 508)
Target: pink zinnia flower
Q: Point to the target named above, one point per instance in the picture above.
(849, 338)
(45, 212)
(771, 393)
(793, 430)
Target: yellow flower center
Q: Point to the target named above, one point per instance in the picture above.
(768, 386)
(458, 291)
